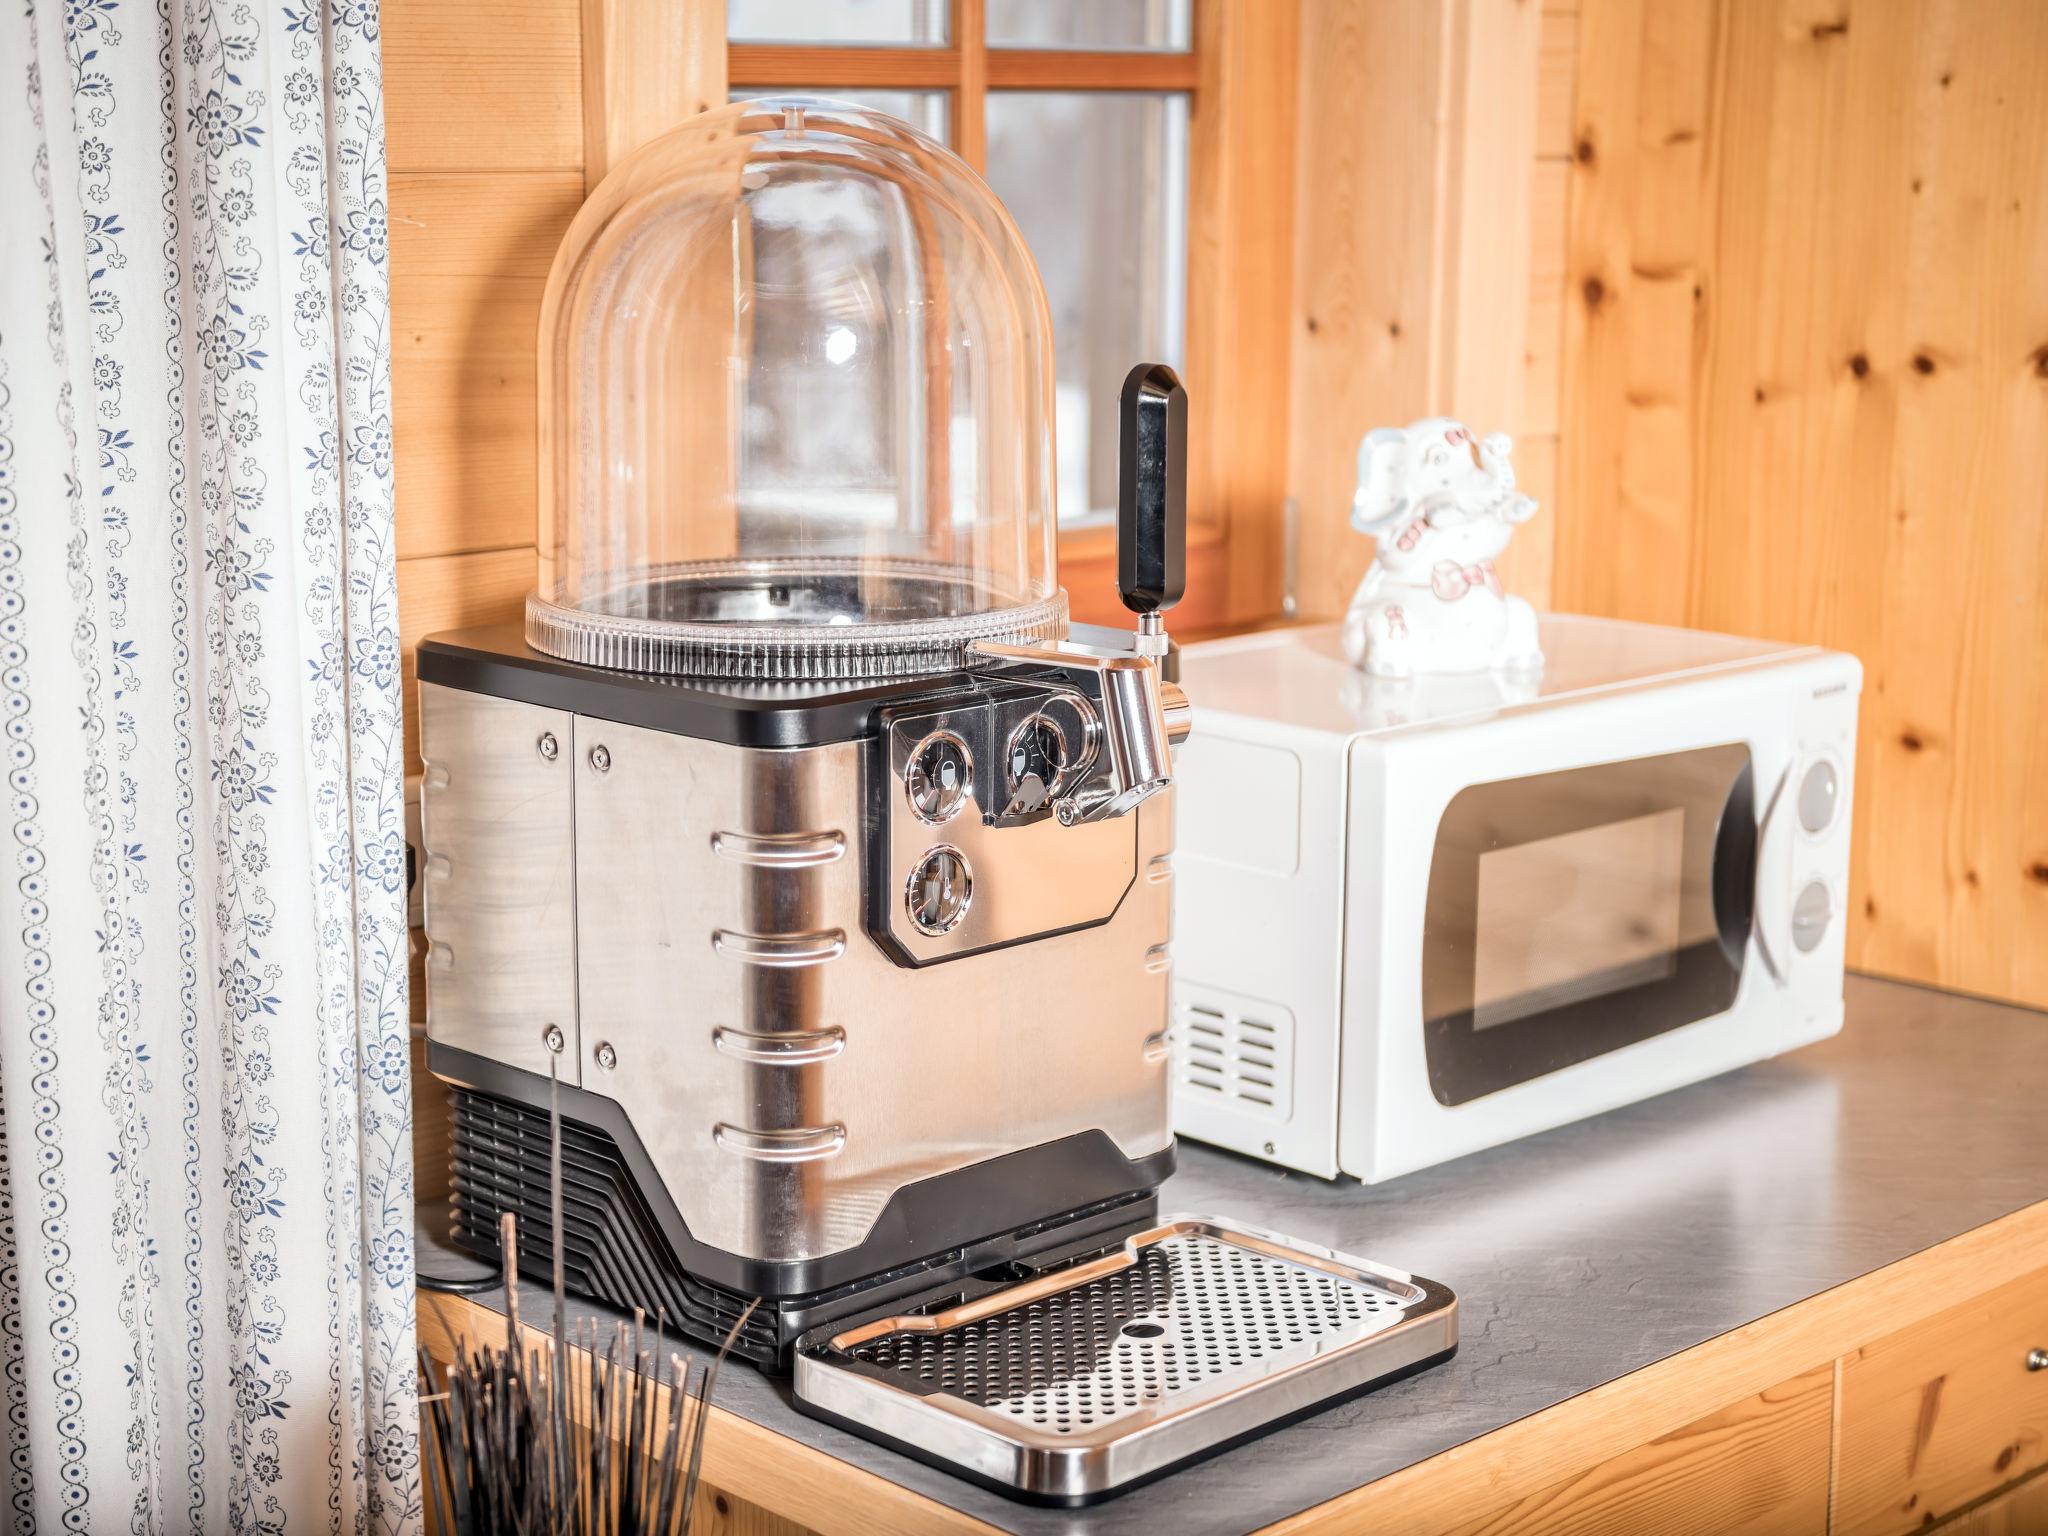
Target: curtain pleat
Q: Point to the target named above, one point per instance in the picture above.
(206, 1286)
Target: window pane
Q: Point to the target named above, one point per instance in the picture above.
(1109, 25)
(875, 23)
(926, 111)
(1098, 182)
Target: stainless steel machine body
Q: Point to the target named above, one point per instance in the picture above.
(692, 917)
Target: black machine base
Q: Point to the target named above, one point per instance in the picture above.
(616, 1251)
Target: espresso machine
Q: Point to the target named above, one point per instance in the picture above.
(806, 858)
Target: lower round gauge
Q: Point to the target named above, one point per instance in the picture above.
(940, 890)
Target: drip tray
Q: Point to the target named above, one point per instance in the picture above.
(1079, 1383)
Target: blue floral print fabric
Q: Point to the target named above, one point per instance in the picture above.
(206, 1270)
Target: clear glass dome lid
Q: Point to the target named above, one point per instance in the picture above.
(796, 377)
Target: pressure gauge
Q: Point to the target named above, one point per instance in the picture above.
(939, 777)
(940, 890)
(1034, 763)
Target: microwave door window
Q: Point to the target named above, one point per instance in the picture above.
(1581, 915)
(1570, 914)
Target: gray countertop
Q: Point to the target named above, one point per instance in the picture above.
(1591, 1251)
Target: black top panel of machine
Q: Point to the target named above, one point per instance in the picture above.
(497, 660)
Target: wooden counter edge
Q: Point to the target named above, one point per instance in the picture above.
(822, 1492)
(1518, 1459)
(747, 1460)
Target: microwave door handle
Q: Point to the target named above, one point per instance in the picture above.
(1756, 909)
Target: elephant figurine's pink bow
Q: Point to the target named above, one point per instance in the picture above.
(1451, 581)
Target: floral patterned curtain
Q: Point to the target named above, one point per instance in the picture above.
(206, 1293)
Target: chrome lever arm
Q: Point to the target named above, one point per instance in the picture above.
(1142, 718)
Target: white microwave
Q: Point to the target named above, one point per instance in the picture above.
(1417, 918)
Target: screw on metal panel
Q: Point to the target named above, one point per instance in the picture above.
(601, 758)
(607, 1057)
(553, 1039)
(549, 748)
(1269, 1149)
(2037, 1359)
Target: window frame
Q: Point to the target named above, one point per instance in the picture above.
(1239, 78)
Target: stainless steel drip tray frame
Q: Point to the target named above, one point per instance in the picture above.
(1081, 1383)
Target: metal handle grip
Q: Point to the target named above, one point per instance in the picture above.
(1152, 490)
(2037, 1359)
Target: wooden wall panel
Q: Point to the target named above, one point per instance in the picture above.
(2021, 1512)
(470, 256)
(1557, 64)
(482, 85)
(1413, 285)
(1240, 267)
(647, 65)
(453, 592)
(483, 108)
(1365, 256)
(1429, 253)
(1543, 352)
(1807, 312)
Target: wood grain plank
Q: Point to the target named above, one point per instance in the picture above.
(463, 376)
(1758, 1466)
(454, 592)
(1366, 214)
(2021, 1511)
(1560, 1444)
(970, 94)
(1633, 290)
(494, 224)
(778, 64)
(1804, 323)
(470, 256)
(486, 85)
(1557, 67)
(1543, 346)
(1240, 277)
(1527, 567)
(647, 65)
(1412, 277)
(1487, 192)
(1061, 69)
(1943, 1413)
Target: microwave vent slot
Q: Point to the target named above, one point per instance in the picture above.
(1234, 1051)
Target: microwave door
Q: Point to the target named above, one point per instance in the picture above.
(1765, 953)
(1570, 914)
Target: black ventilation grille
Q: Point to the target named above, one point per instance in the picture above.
(613, 1249)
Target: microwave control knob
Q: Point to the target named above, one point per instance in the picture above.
(1818, 791)
(1811, 913)
(939, 777)
(940, 890)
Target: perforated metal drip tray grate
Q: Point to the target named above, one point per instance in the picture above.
(1077, 1384)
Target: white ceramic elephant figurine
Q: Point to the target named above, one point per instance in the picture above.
(1441, 505)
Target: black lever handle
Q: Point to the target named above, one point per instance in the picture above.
(1152, 490)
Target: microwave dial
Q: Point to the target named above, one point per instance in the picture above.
(1820, 790)
(1812, 911)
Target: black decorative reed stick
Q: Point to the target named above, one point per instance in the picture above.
(516, 1442)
